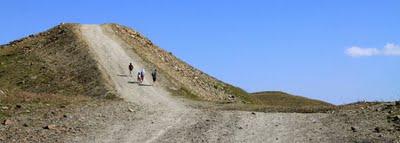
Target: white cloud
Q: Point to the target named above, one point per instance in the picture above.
(358, 52)
(389, 49)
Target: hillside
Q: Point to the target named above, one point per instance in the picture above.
(187, 79)
(278, 98)
(281, 101)
(55, 61)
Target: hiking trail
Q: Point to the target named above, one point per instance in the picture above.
(166, 119)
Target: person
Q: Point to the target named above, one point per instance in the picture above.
(154, 75)
(130, 69)
(139, 77)
(142, 74)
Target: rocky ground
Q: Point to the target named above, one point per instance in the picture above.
(63, 122)
(372, 122)
(365, 122)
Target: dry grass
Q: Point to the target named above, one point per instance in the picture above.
(275, 101)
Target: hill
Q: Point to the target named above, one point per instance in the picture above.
(278, 98)
(59, 61)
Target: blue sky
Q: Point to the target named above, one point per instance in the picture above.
(339, 51)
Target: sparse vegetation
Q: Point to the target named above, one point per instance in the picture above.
(54, 62)
(183, 92)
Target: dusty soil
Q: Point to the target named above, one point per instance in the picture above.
(62, 122)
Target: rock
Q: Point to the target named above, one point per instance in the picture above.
(2, 93)
(4, 108)
(33, 77)
(253, 113)
(8, 122)
(18, 106)
(130, 110)
(396, 118)
(397, 103)
(377, 130)
(353, 129)
(50, 127)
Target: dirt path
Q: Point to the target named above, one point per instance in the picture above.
(165, 119)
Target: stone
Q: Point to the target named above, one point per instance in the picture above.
(377, 129)
(130, 110)
(396, 118)
(397, 103)
(253, 113)
(8, 122)
(4, 108)
(50, 127)
(18, 106)
(353, 129)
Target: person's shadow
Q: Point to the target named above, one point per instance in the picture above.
(142, 84)
(133, 82)
(122, 75)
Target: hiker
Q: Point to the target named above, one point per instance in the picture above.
(139, 77)
(130, 69)
(154, 75)
(142, 74)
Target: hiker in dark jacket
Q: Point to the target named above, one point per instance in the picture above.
(154, 75)
(139, 77)
(130, 69)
